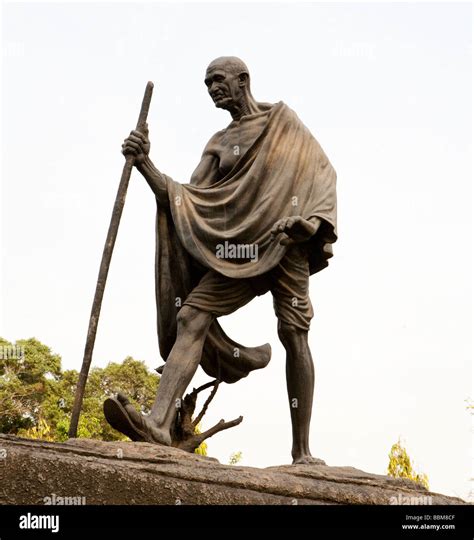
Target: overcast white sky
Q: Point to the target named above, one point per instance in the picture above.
(385, 88)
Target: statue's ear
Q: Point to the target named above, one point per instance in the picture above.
(243, 79)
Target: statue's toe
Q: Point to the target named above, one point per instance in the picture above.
(120, 419)
(123, 417)
(123, 399)
(134, 415)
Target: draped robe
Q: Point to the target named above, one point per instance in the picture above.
(284, 173)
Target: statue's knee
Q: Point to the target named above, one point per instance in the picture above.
(287, 333)
(186, 316)
(192, 320)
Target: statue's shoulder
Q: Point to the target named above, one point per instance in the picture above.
(266, 107)
(214, 142)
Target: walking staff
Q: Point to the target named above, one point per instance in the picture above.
(104, 267)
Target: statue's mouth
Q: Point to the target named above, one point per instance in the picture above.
(222, 101)
(218, 97)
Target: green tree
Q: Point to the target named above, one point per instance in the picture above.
(27, 370)
(400, 465)
(36, 396)
(131, 377)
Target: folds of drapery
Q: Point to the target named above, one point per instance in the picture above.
(284, 173)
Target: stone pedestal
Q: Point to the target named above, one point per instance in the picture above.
(97, 472)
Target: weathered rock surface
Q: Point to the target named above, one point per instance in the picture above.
(141, 473)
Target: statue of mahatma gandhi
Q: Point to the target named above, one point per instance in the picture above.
(258, 215)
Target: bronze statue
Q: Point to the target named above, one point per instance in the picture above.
(258, 215)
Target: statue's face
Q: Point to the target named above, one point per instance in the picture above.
(224, 87)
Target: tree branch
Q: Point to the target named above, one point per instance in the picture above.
(220, 426)
(208, 400)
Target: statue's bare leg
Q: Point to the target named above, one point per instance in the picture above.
(300, 385)
(180, 367)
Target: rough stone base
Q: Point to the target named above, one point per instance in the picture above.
(142, 473)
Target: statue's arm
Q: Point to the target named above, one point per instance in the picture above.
(138, 145)
(155, 180)
(207, 171)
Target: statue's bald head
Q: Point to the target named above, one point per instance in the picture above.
(231, 64)
(228, 83)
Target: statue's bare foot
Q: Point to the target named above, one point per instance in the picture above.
(160, 436)
(307, 459)
(123, 417)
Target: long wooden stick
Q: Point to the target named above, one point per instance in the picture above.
(104, 268)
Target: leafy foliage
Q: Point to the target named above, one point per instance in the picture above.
(25, 379)
(36, 396)
(235, 458)
(202, 448)
(400, 465)
(41, 431)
